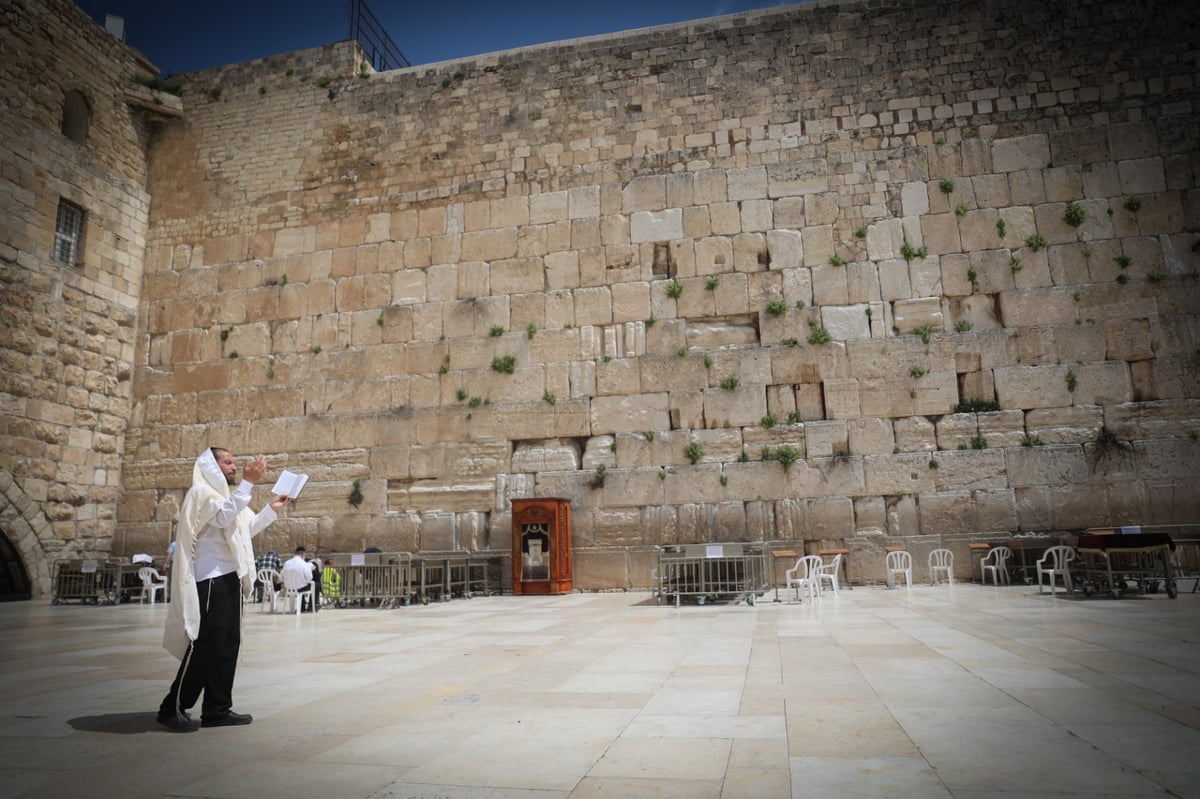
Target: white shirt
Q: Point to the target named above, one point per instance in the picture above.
(296, 573)
(213, 554)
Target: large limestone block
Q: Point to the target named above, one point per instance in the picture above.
(753, 439)
(481, 458)
(786, 248)
(644, 193)
(809, 364)
(940, 233)
(708, 335)
(744, 406)
(945, 513)
(650, 226)
(642, 487)
(800, 177)
(889, 475)
(978, 230)
(895, 279)
(1161, 419)
(606, 569)
(911, 315)
(971, 469)
(517, 275)
(1049, 465)
(714, 255)
(1026, 387)
(925, 277)
(829, 518)
(956, 430)
(548, 455)
(842, 399)
(1142, 176)
(915, 434)
(1021, 153)
(756, 480)
(1002, 428)
(749, 183)
(435, 495)
(830, 284)
(847, 321)
(884, 239)
(818, 244)
(872, 436)
(1076, 424)
(826, 438)
(489, 245)
(633, 413)
(914, 199)
(1106, 383)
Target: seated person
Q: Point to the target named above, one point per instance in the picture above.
(268, 560)
(297, 573)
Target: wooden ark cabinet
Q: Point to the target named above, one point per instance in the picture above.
(541, 544)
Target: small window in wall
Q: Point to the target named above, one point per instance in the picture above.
(68, 233)
(75, 118)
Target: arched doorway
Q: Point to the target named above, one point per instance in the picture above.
(14, 581)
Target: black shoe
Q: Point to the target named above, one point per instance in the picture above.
(226, 719)
(177, 722)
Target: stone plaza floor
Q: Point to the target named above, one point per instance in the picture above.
(959, 691)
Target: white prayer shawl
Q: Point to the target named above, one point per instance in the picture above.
(208, 492)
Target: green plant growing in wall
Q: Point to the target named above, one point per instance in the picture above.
(724, 480)
(1156, 276)
(1028, 440)
(924, 331)
(977, 406)
(1001, 227)
(960, 210)
(496, 330)
(962, 326)
(214, 93)
(1072, 380)
(1123, 261)
(475, 402)
(918, 372)
(729, 383)
(681, 352)
(530, 330)
(598, 477)
(708, 361)
(1035, 242)
(461, 394)
(786, 455)
(356, 495)
(711, 283)
(860, 233)
(743, 457)
(662, 472)
(1074, 215)
(693, 452)
(790, 342)
(1014, 264)
(972, 277)
(324, 81)
(1123, 278)
(946, 185)
(836, 260)
(674, 289)
(364, 70)
(1133, 204)
(768, 421)
(505, 364)
(606, 358)
(978, 441)
(549, 398)
(316, 350)
(649, 434)
(777, 307)
(650, 320)
(933, 464)
(379, 320)
(800, 304)
(817, 333)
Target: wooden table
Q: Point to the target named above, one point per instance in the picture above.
(845, 553)
(778, 555)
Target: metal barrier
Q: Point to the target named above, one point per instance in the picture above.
(88, 582)
(442, 575)
(384, 579)
(713, 572)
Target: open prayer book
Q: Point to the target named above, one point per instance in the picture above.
(290, 484)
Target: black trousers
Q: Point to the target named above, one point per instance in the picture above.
(211, 659)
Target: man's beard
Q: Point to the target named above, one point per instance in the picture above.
(231, 479)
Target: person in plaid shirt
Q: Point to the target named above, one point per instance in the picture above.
(270, 560)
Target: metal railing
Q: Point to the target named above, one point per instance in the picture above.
(377, 45)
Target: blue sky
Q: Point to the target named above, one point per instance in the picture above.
(186, 36)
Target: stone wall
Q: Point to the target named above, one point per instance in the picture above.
(746, 271)
(69, 329)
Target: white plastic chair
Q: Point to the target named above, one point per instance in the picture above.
(898, 562)
(829, 573)
(803, 577)
(941, 560)
(267, 579)
(996, 563)
(1056, 563)
(152, 583)
(295, 588)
